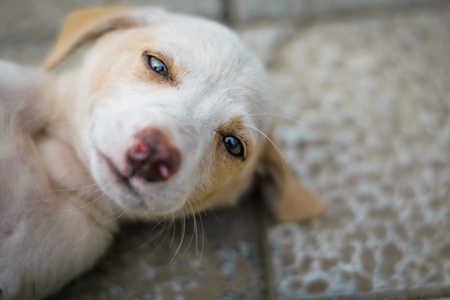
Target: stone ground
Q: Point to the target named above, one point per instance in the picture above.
(364, 91)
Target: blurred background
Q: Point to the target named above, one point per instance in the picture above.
(364, 101)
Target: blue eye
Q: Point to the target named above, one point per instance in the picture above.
(157, 65)
(233, 145)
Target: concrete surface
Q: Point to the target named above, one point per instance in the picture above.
(369, 90)
(213, 256)
(372, 95)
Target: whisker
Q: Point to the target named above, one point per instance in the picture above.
(41, 115)
(202, 248)
(90, 228)
(174, 230)
(181, 241)
(286, 117)
(149, 240)
(89, 203)
(199, 258)
(74, 189)
(124, 210)
(195, 232)
(283, 159)
(189, 244)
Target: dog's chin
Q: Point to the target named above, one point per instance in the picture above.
(134, 194)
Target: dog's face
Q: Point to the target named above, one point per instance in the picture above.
(172, 113)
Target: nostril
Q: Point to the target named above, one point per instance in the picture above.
(162, 170)
(139, 149)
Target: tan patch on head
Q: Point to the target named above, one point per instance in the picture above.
(224, 164)
(175, 70)
(127, 61)
(235, 127)
(224, 176)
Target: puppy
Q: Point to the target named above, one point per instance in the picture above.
(165, 115)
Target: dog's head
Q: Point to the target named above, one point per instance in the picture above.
(174, 113)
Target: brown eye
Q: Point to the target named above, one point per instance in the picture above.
(233, 145)
(157, 65)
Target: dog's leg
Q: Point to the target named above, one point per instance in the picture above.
(46, 238)
(24, 96)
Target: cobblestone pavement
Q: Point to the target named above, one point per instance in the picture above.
(364, 94)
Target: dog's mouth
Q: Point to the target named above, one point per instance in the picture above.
(122, 179)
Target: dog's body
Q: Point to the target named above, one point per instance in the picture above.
(45, 238)
(167, 115)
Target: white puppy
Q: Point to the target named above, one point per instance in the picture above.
(165, 115)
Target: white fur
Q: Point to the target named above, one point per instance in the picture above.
(60, 203)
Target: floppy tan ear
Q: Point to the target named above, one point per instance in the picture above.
(288, 199)
(84, 25)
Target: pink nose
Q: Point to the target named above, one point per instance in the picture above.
(152, 156)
